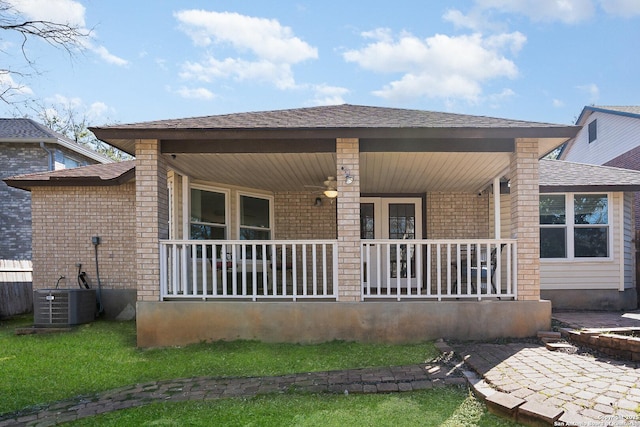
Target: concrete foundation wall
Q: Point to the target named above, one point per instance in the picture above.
(592, 299)
(185, 322)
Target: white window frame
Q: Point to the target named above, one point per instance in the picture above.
(570, 226)
(240, 194)
(203, 187)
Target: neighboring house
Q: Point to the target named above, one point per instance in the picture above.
(225, 233)
(28, 147)
(609, 136)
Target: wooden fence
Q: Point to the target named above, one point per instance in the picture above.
(16, 294)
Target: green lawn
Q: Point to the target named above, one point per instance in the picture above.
(450, 406)
(42, 368)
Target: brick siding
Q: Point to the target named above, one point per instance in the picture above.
(296, 217)
(15, 211)
(457, 216)
(64, 221)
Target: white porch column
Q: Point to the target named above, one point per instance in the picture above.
(525, 216)
(348, 217)
(152, 216)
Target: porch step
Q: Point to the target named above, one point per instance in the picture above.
(553, 341)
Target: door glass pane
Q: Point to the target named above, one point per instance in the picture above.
(367, 223)
(402, 221)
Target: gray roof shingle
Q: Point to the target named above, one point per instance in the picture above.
(559, 175)
(98, 174)
(20, 128)
(335, 116)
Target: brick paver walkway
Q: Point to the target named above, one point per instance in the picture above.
(591, 390)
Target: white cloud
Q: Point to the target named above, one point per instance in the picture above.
(567, 11)
(440, 66)
(108, 57)
(624, 8)
(557, 103)
(592, 90)
(241, 70)
(264, 50)
(329, 95)
(69, 12)
(195, 93)
(266, 38)
(95, 112)
(10, 89)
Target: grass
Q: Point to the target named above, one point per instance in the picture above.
(450, 406)
(102, 355)
(39, 369)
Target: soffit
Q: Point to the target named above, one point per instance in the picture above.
(379, 172)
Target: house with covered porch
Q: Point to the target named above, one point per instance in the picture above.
(338, 222)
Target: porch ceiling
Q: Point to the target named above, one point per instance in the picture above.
(396, 172)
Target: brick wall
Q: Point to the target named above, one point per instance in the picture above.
(630, 160)
(348, 219)
(296, 217)
(525, 216)
(457, 216)
(65, 219)
(151, 215)
(15, 206)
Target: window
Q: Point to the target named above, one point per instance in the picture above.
(593, 131)
(255, 218)
(574, 226)
(208, 215)
(69, 163)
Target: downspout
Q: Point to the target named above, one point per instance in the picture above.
(50, 155)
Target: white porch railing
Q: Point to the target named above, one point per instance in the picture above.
(439, 269)
(248, 269)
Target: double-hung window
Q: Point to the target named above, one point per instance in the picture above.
(574, 226)
(255, 222)
(208, 215)
(255, 218)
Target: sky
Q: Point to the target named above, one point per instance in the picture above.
(536, 60)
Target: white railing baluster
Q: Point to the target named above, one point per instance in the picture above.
(304, 269)
(324, 269)
(314, 270)
(236, 270)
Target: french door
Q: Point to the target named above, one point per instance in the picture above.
(391, 218)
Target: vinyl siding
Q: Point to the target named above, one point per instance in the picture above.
(616, 135)
(583, 273)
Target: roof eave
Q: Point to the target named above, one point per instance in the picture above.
(69, 181)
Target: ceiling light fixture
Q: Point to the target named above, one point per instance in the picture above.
(331, 193)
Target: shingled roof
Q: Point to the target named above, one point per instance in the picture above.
(20, 128)
(335, 117)
(307, 126)
(23, 130)
(99, 175)
(561, 176)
